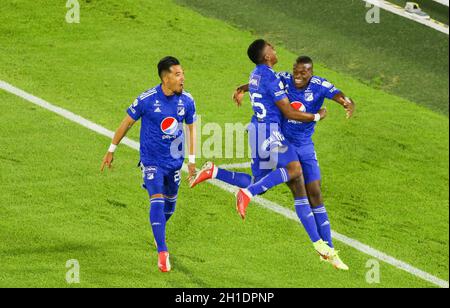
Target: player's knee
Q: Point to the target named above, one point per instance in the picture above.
(294, 170)
(316, 198)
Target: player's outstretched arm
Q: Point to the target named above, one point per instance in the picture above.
(124, 127)
(239, 93)
(346, 102)
(292, 114)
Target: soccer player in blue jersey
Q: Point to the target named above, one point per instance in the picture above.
(307, 93)
(274, 160)
(162, 110)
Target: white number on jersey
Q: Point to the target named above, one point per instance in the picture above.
(259, 105)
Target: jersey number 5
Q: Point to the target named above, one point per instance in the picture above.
(257, 105)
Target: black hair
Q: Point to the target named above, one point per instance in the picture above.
(165, 64)
(304, 60)
(255, 51)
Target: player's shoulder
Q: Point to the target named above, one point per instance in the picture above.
(188, 96)
(321, 82)
(284, 75)
(269, 76)
(148, 95)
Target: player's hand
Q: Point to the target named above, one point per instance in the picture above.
(192, 172)
(107, 161)
(349, 106)
(323, 113)
(238, 96)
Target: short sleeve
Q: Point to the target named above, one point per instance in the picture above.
(276, 89)
(191, 113)
(329, 90)
(136, 110)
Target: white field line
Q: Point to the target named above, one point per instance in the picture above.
(261, 201)
(236, 166)
(443, 2)
(393, 8)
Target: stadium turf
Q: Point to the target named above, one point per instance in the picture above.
(385, 171)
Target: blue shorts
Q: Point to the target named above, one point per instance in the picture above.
(308, 159)
(159, 181)
(270, 150)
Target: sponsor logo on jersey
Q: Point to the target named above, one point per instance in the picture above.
(298, 106)
(169, 126)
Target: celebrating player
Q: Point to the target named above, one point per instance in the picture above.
(163, 109)
(270, 149)
(307, 93)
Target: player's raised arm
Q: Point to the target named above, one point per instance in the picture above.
(346, 102)
(292, 114)
(124, 127)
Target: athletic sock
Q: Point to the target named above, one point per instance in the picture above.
(306, 216)
(158, 222)
(273, 179)
(323, 224)
(169, 207)
(239, 179)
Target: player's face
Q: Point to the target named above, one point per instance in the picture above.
(175, 79)
(303, 72)
(271, 54)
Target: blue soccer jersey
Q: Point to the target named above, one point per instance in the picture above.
(162, 137)
(310, 99)
(265, 135)
(266, 88)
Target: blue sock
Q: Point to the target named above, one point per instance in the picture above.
(273, 179)
(306, 216)
(158, 222)
(169, 207)
(323, 224)
(242, 180)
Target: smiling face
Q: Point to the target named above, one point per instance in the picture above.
(174, 79)
(303, 72)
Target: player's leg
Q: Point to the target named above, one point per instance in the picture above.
(171, 186)
(154, 182)
(288, 169)
(313, 187)
(211, 171)
(304, 213)
(312, 175)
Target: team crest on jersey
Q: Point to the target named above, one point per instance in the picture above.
(181, 111)
(254, 82)
(298, 106)
(309, 96)
(169, 126)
